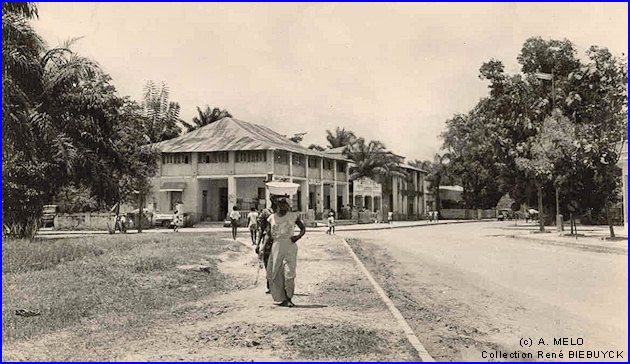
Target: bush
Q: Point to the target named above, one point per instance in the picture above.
(72, 199)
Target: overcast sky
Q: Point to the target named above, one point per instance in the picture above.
(392, 72)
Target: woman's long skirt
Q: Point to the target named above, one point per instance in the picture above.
(281, 270)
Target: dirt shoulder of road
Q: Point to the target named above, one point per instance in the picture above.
(338, 317)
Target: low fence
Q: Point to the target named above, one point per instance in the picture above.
(467, 214)
(91, 221)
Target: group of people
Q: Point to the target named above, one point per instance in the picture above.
(272, 232)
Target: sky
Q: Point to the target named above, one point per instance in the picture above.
(388, 72)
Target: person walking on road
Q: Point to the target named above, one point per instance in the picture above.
(252, 224)
(281, 268)
(235, 216)
(331, 223)
(264, 239)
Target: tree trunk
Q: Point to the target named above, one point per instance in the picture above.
(541, 216)
(572, 223)
(140, 211)
(609, 218)
(437, 198)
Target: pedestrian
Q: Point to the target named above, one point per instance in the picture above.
(282, 264)
(235, 216)
(178, 217)
(390, 217)
(264, 238)
(252, 223)
(331, 223)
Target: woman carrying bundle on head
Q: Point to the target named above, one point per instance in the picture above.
(281, 268)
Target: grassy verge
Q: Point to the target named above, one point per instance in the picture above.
(120, 281)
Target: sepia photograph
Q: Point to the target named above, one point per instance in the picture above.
(314, 182)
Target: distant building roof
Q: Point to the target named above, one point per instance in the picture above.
(229, 134)
(405, 165)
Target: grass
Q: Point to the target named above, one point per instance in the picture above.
(119, 281)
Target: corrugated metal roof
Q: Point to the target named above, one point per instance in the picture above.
(229, 134)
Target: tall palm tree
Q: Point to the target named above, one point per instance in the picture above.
(205, 117)
(41, 136)
(340, 138)
(373, 160)
(162, 114)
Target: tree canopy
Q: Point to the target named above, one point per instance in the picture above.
(553, 125)
(62, 124)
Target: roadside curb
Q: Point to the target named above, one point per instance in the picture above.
(413, 339)
(411, 226)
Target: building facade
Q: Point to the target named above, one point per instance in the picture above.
(402, 196)
(227, 163)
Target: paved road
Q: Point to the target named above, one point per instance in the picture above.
(492, 290)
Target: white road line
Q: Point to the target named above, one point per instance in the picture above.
(413, 339)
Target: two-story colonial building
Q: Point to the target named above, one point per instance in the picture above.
(226, 164)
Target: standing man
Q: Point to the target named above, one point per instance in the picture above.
(235, 216)
(252, 223)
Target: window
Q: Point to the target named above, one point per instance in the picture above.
(175, 158)
(251, 156)
(298, 160)
(176, 196)
(282, 157)
(328, 164)
(312, 162)
(213, 157)
(341, 167)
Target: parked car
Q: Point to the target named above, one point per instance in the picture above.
(164, 220)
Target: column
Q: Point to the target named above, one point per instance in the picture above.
(231, 182)
(320, 197)
(270, 170)
(290, 166)
(346, 194)
(304, 188)
(333, 197)
(395, 194)
(346, 197)
(306, 191)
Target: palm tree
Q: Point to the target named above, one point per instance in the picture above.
(162, 114)
(373, 160)
(41, 136)
(205, 117)
(340, 138)
(437, 170)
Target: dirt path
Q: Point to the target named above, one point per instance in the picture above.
(338, 317)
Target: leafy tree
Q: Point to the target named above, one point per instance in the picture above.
(161, 115)
(549, 149)
(206, 117)
(297, 137)
(340, 138)
(486, 143)
(61, 125)
(316, 147)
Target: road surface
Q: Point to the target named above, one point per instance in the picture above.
(471, 291)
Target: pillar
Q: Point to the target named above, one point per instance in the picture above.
(231, 182)
(304, 188)
(320, 197)
(395, 194)
(270, 170)
(290, 166)
(333, 193)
